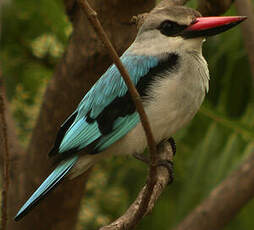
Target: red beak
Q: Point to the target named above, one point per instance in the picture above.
(208, 26)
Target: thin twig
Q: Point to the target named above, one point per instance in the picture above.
(92, 17)
(5, 151)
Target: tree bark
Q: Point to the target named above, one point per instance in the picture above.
(83, 62)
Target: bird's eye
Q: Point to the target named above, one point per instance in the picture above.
(170, 28)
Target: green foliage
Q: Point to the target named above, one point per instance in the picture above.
(34, 35)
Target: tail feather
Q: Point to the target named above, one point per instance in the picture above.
(52, 180)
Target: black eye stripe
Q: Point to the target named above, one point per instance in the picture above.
(169, 28)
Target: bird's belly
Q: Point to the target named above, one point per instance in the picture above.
(174, 105)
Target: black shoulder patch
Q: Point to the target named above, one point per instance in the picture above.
(61, 133)
(122, 106)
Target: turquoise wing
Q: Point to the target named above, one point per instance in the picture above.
(112, 85)
(83, 131)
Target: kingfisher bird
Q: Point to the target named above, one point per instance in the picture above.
(166, 65)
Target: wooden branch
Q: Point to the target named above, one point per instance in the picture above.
(245, 7)
(224, 202)
(92, 17)
(128, 219)
(5, 151)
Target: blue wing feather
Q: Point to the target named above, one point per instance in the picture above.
(79, 135)
(110, 86)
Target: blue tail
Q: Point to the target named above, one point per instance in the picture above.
(53, 179)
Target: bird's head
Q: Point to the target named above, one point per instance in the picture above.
(178, 28)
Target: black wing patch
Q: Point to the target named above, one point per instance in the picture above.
(122, 106)
(61, 133)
